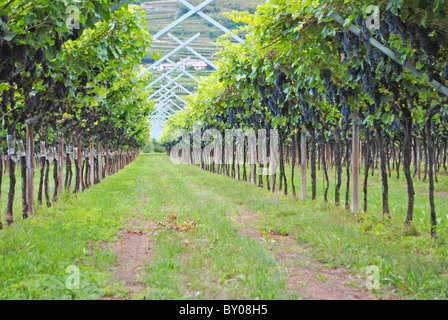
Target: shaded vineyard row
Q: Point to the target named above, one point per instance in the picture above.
(70, 81)
(319, 72)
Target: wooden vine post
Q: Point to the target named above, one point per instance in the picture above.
(303, 163)
(355, 168)
(107, 162)
(252, 165)
(61, 165)
(100, 161)
(30, 167)
(92, 163)
(80, 164)
(237, 163)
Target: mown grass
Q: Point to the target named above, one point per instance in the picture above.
(410, 261)
(35, 253)
(211, 260)
(17, 204)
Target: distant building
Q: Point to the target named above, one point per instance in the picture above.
(196, 64)
(164, 66)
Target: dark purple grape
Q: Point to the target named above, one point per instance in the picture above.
(396, 25)
(430, 71)
(21, 52)
(39, 56)
(5, 97)
(350, 44)
(7, 73)
(373, 56)
(325, 74)
(396, 68)
(360, 19)
(429, 47)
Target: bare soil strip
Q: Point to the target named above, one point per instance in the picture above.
(134, 249)
(306, 277)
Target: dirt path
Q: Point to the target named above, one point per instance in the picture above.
(305, 276)
(134, 249)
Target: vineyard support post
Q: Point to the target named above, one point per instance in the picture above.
(303, 164)
(92, 163)
(252, 165)
(107, 162)
(237, 163)
(100, 161)
(419, 161)
(355, 168)
(117, 160)
(61, 165)
(30, 167)
(360, 155)
(79, 164)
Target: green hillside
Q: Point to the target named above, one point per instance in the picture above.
(160, 14)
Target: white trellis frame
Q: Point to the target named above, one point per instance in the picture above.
(166, 95)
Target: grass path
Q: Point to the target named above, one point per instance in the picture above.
(159, 231)
(203, 248)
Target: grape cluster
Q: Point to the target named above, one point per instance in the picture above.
(271, 101)
(350, 44)
(395, 126)
(383, 34)
(280, 80)
(58, 41)
(331, 89)
(325, 75)
(365, 32)
(344, 106)
(354, 72)
(421, 39)
(255, 84)
(373, 57)
(386, 77)
(60, 90)
(262, 92)
(232, 117)
(308, 112)
(332, 93)
(360, 20)
(426, 49)
(345, 111)
(397, 68)
(75, 34)
(396, 25)
(428, 46)
(444, 117)
(371, 88)
(7, 73)
(430, 71)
